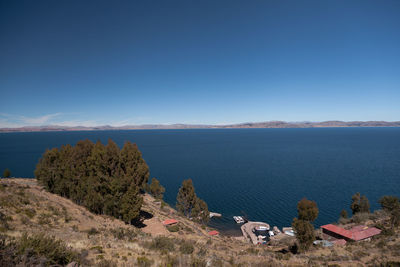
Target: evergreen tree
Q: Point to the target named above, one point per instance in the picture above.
(307, 210)
(156, 189)
(132, 165)
(186, 198)
(6, 173)
(364, 204)
(200, 211)
(391, 204)
(304, 233)
(355, 203)
(47, 170)
(130, 204)
(307, 213)
(112, 158)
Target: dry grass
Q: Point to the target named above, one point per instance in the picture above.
(105, 241)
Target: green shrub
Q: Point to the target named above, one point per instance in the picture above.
(123, 234)
(53, 250)
(162, 243)
(186, 248)
(173, 228)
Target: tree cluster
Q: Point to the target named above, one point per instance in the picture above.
(307, 213)
(103, 178)
(190, 205)
(359, 204)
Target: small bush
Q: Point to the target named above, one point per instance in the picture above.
(29, 212)
(162, 243)
(186, 248)
(99, 249)
(252, 251)
(44, 219)
(105, 263)
(173, 228)
(4, 226)
(55, 251)
(360, 217)
(144, 262)
(196, 262)
(123, 234)
(92, 231)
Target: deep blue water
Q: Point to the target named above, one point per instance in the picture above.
(262, 173)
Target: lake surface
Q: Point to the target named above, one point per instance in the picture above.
(261, 173)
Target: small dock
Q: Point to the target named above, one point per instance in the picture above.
(215, 214)
(247, 231)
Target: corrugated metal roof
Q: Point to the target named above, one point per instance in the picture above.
(365, 233)
(170, 221)
(213, 233)
(337, 230)
(356, 233)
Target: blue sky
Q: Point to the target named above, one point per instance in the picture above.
(138, 62)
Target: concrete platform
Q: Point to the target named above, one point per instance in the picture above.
(247, 230)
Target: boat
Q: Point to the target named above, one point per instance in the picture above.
(238, 219)
(289, 232)
(261, 228)
(271, 233)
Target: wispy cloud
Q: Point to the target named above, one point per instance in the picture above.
(62, 119)
(70, 123)
(12, 120)
(39, 120)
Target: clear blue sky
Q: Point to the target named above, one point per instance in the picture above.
(137, 62)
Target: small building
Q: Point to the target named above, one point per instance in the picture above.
(357, 233)
(213, 232)
(169, 222)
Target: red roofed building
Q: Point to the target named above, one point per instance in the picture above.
(356, 233)
(169, 222)
(213, 233)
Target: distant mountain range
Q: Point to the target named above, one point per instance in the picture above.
(268, 124)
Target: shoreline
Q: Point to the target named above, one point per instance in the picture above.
(249, 125)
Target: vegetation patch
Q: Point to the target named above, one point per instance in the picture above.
(102, 178)
(162, 243)
(186, 247)
(173, 228)
(32, 249)
(144, 262)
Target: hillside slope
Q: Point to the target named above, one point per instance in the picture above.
(105, 241)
